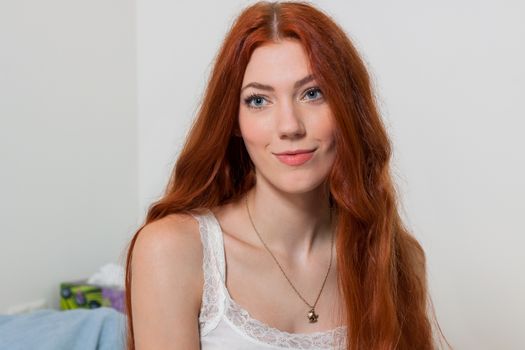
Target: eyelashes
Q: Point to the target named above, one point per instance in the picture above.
(258, 98)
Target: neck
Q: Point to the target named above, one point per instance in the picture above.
(292, 225)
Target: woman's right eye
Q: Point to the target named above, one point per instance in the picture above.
(257, 99)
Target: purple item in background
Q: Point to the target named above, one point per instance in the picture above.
(80, 294)
(80, 299)
(115, 296)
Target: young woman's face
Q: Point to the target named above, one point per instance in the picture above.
(282, 110)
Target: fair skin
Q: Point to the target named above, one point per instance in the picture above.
(289, 208)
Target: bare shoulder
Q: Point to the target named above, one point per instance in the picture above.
(174, 238)
(166, 284)
(172, 230)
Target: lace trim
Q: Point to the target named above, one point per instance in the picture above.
(215, 294)
(332, 339)
(212, 304)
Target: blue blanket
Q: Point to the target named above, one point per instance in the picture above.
(80, 329)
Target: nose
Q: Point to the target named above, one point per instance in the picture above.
(289, 122)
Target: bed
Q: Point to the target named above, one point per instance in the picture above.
(102, 328)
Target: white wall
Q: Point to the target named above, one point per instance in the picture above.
(68, 143)
(450, 81)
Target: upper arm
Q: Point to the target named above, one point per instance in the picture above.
(166, 284)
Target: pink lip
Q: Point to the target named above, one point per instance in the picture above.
(296, 157)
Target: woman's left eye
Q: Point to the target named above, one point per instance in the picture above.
(313, 92)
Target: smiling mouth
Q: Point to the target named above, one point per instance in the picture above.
(291, 152)
(295, 159)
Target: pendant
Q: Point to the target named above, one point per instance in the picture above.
(312, 316)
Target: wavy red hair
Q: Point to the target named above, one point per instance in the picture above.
(382, 267)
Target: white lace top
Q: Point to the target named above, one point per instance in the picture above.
(226, 325)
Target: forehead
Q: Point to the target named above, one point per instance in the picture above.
(277, 63)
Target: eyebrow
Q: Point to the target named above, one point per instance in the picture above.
(297, 84)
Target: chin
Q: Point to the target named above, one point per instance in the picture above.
(297, 186)
(293, 182)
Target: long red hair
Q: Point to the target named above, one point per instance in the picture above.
(382, 268)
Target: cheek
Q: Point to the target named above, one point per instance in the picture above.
(324, 129)
(253, 131)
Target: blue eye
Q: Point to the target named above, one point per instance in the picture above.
(313, 92)
(254, 97)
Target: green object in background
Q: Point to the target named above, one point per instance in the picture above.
(75, 295)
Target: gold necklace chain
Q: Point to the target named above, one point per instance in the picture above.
(312, 316)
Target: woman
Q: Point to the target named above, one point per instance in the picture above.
(279, 228)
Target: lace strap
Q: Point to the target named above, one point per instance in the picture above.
(217, 243)
(212, 306)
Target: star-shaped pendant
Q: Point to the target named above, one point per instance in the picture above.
(312, 316)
